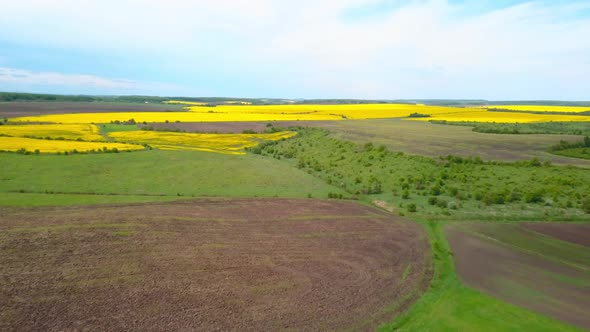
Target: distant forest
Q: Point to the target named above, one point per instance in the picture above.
(13, 96)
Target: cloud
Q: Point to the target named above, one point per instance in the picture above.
(312, 48)
(19, 76)
(80, 82)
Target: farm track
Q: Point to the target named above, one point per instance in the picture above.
(242, 264)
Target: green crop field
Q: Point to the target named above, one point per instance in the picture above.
(149, 176)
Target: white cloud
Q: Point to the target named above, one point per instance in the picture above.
(19, 76)
(427, 48)
(80, 82)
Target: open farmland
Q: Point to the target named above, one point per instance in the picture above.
(470, 115)
(220, 143)
(542, 108)
(32, 108)
(247, 264)
(364, 165)
(537, 272)
(30, 145)
(436, 140)
(224, 113)
(574, 233)
(72, 132)
(231, 127)
(324, 252)
(149, 176)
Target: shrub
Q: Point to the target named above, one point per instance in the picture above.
(411, 207)
(586, 205)
(494, 198)
(375, 187)
(406, 194)
(453, 191)
(435, 190)
(535, 196)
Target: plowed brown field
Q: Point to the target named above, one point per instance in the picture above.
(213, 264)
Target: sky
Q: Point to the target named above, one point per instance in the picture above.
(368, 49)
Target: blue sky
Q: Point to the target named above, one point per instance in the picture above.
(502, 49)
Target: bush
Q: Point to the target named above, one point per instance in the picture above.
(586, 205)
(432, 200)
(494, 198)
(453, 191)
(406, 194)
(375, 187)
(535, 196)
(435, 190)
(411, 207)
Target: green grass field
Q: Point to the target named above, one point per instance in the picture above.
(149, 176)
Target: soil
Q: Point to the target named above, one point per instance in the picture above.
(208, 264)
(18, 109)
(575, 233)
(521, 278)
(231, 127)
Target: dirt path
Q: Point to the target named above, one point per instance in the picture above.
(246, 264)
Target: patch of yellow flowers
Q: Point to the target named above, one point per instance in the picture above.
(220, 143)
(503, 117)
(541, 108)
(85, 132)
(15, 144)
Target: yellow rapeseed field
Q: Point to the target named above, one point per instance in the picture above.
(167, 117)
(53, 146)
(328, 112)
(235, 113)
(541, 108)
(220, 143)
(86, 132)
(503, 117)
(225, 113)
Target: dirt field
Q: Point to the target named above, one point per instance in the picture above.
(575, 233)
(232, 127)
(527, 278)
(436, 140)
(17, 109)
(248, 264)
